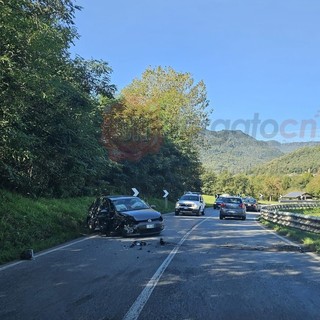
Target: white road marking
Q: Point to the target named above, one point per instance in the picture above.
(46, 252)
(144, 296)
(311, 254)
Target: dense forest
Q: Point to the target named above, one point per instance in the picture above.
(66, 131)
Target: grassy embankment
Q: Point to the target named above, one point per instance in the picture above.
(309, 240)
(42, 223)
(39, 224)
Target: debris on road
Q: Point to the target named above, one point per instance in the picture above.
(138, 243)
(27, 254)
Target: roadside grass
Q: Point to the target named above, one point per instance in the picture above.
(309, 240)
(38, 224)
(209, 200)
(42, 223)
(315, 212)
(162, 205)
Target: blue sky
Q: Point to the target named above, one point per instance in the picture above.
(260, 59)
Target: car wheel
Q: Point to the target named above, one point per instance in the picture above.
(221, 217)
(176, 213)
(203, 212)
(124, 233)
(91, 225)
(199, 212)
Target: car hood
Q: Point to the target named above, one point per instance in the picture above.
(188, 202)
(142, 214)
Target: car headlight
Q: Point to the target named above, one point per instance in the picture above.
(194, 206)
(177, 204)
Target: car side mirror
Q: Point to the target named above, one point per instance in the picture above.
(153, 206)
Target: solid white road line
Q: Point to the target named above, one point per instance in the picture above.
(10, 265)
(144, 296)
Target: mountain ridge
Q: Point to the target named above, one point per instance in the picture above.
(237, 152)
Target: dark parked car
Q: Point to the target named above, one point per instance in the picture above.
(124, 215)
(251, 204)
(233, 207)
(217, 203)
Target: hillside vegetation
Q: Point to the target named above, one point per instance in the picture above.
(302, 160)
(234, 151)
(237, 152)
(288, 147)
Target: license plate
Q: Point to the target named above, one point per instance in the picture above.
(150, 226)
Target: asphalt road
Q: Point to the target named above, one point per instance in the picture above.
(206, 269)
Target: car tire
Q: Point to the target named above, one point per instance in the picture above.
(199, 212)
(243, 218)
(176, 213)
(221, 217)
(91, 226)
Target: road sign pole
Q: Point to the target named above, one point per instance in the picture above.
(165, 196)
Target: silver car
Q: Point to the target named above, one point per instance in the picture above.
(233, 207)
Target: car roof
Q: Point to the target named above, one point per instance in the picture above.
(232, 197)
(114, 197)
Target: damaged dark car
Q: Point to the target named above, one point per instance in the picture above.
(124, 215)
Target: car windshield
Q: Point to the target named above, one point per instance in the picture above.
(127, 204)
(190, 197)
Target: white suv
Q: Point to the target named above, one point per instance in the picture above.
(190, 202)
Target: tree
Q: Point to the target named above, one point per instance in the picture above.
(50, 117)
(151, 129)
(179, 103)
(313, 187)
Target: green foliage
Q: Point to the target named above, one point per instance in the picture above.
(209, 200)
(303, 160)
(315, 212)
(310, 241)
(38, 224)
(179, 102)
(49, 114)
(233, 151)
(231, 161)
(166, 107)
(313, 186)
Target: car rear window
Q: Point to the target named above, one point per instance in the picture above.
(233, 200)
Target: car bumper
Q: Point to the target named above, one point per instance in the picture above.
(252, 208)
(145, 228)
(186, 211)
(233, 213)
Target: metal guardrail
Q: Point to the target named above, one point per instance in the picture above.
(276, 214)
